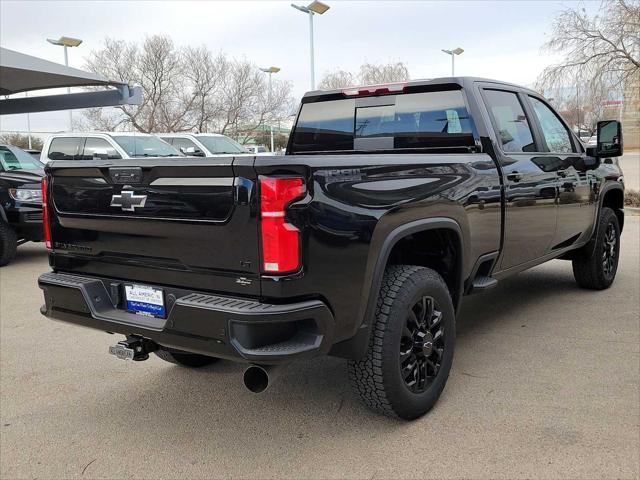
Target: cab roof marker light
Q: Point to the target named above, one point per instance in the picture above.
(367, 90)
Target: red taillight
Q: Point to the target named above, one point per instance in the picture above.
(369, 90)
(280, 240)
(46, 228)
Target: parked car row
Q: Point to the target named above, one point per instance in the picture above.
(126, 145)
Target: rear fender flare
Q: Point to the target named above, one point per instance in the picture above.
(370, 295)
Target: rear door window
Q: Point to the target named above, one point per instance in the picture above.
(64, 148)
(408, 121)
(510, 122)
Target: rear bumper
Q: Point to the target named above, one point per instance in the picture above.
(225, 327)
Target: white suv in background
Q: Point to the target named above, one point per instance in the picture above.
(111, 146)
(203, 144)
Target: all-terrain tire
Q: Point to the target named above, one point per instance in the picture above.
(377, 377)
(590, 267)
(185, 359)
(8, 243)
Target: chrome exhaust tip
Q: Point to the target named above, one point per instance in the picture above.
(257, 378)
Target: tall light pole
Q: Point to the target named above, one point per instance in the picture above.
(311, 9)
(270, 71)
(453, 54)
(66, 42)
(26, 94)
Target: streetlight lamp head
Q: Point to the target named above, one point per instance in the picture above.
(270, 69)
(65, 41)
(456, 51)
(318, 7)
(301, 8)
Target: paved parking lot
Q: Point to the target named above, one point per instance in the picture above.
(630, 164)
(545, 384)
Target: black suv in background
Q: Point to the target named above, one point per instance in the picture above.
(20, 200)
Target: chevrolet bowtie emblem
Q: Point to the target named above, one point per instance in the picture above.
(128, 201)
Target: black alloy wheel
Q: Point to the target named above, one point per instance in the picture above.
(609, 252)
(422, 345)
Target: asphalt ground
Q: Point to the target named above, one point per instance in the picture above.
(545, 384)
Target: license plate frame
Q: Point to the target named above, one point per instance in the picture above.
(145, 300)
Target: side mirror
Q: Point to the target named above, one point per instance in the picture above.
(609, 143)
(192, 151)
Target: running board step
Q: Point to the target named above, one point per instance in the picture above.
(483, 283)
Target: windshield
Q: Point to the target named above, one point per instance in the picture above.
(14, 158)
(221, 144)
(145, 146)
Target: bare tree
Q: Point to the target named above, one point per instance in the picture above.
(603, 49)
(22, 141)
(368, 74)
(584, 104)
(371, 74)
(186, 89)
(337, 79)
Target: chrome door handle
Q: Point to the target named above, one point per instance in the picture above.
(514, 176)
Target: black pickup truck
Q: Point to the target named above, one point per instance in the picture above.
(392, 203)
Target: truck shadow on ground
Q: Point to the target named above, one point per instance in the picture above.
(309, 399)
(29, 253)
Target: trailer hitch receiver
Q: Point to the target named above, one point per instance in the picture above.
(133, 348)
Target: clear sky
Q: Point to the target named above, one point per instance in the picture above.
(501, 39)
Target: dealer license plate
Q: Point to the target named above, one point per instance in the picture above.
(145, 300)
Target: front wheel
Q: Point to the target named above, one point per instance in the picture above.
(411, 346)
(8, 243)
(596, 269)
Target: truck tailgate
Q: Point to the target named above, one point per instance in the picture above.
(187, 222)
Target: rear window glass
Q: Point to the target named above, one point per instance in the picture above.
(409, 121)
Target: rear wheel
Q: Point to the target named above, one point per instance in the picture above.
(8, 243)
(186, 359)
(596, 268)
(411, 348)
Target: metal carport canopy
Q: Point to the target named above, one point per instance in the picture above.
(24, 73)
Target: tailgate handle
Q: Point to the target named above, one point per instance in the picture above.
(125, 175)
